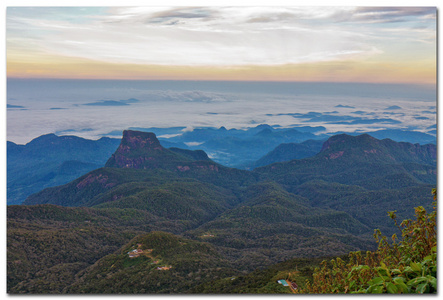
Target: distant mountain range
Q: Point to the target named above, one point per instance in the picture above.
(52, 160)
(290, 151)
(216, 222)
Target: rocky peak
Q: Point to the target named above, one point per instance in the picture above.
(142, 150)
(138, 150)
(138, 140)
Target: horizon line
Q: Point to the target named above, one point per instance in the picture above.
(223, 80)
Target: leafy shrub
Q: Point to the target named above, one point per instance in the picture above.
(397, 267)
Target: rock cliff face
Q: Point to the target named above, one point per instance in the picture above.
(137, 140)
(142, 150)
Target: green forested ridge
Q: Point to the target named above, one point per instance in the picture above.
(357, 160)
(190, 263)
(405, 264)
(44, 239)
(182, 200)
(270, 218)
(290, 151)
(367, 206)
(321, 206)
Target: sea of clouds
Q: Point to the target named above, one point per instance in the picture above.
(92, 109)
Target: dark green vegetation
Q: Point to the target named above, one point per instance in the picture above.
(264, 281)
(397, 267)
(229, 221)
(406, 265)
(48, 245)
(185, 263)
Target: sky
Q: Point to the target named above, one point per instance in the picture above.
(250, 43)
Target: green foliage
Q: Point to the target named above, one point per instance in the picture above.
(191, 263)
(406, 266)
(48, 245)
(181, 199)
(263, 281)
(271, 218)
(367, 206)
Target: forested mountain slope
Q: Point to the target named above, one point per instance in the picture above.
(324, 205)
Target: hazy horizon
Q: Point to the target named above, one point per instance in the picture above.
(93, 108)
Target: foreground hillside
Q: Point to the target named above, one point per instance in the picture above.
(325, 205)
(48, 245)
(157, 262)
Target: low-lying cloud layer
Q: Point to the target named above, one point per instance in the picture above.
(112, 102)
(215, 105)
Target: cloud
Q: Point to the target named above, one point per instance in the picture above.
(14, 106)
(106, 103)
(70, 131)
(317, 117)
(180, 13)
(331, 112)
(393, 113)
(204, 36)
(344, 106)
(112, 102)
(393, 107)
(389, 14)
(373, 121)
(186, 104)
(130, 100)
(187, 96)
